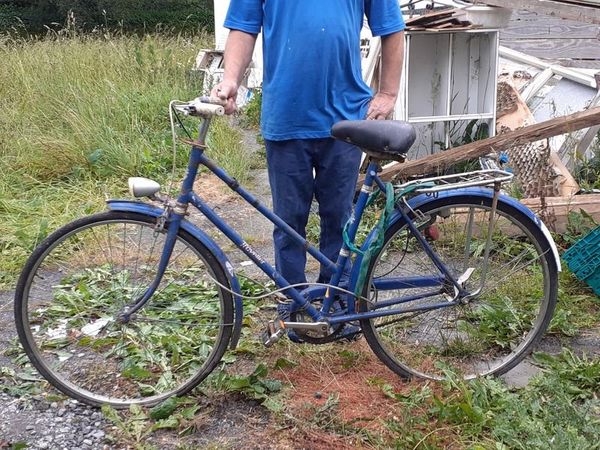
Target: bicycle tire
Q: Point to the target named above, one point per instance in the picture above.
(486, 336)
(76, 281)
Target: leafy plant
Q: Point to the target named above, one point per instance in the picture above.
(579, 223)
(255, 386)
(578, 308)
(558, 409)
(137, 424)
(587, 171)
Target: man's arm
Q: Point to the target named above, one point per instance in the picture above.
(238, 55)
(392, 58)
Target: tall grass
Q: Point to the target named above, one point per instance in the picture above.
(80, 114)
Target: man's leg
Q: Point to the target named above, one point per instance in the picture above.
(291, 180)
(336, 173)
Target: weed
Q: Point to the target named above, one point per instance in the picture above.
(250, 117)
(20, 379)
(558, 409)
(587, 171)
(254, 386)
(137, 424)
(579, 223)
(578, 307)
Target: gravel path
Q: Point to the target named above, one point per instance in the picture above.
(34, 420)
(67, 425)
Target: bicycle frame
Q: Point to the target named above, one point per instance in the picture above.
(301, 299)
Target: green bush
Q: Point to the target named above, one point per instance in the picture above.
(9, 15)
(130, 15)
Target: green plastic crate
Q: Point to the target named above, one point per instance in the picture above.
(583, 259)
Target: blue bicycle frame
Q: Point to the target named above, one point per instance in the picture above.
(302, 299)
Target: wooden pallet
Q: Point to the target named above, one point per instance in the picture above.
(439, 21)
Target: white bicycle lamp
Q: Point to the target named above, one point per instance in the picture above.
(142, 187)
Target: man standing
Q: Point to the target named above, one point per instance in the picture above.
(312, 79)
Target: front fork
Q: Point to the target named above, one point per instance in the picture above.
(172, 216)
(174, 220)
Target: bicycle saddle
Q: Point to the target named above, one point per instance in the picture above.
(381, 139)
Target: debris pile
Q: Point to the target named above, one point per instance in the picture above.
(440, 20)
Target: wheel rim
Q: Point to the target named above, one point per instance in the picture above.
(75, 292)
(490, 333)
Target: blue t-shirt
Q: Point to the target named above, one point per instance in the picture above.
(312, 64)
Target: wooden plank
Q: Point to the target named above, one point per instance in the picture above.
(557, 209)
(580, 63)
(536, 84)
(552, 8)
(569, 73)
(439, 162)
(525, 15)
(556, 48)
(426, 19)
(545, 28)
(567, 184)
(582, 2)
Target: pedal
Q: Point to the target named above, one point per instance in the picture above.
(273, 333)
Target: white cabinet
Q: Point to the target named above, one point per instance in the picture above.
(448, 88)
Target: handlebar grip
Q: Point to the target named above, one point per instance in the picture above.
(212, 100)
(207, 109)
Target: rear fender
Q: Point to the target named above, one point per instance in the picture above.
(149, 210)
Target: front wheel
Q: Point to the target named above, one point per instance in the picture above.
(77, 281)
(487, 334)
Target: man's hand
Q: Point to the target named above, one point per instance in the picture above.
(381, 107)
(227, 91)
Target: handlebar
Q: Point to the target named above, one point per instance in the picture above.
(202, 107)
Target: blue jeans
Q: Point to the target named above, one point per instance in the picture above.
(293, 186)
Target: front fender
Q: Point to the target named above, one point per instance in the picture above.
(420, 200)
(150, 210)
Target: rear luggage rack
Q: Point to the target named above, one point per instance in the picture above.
(457, 181)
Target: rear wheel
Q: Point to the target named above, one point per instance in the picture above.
(488, 334)
(78, 280)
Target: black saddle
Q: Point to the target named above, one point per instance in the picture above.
(381, 139)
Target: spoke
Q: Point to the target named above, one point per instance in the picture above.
(468, 238)
(98, 242)
(507, 276)
(140, 287)
(137, 258)
(124, 243)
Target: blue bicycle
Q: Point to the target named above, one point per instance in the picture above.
(137, 304)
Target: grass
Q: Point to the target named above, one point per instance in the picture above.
(81, 114)
(558, 409)
(587, 171)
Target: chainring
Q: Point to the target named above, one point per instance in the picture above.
(312, 337)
